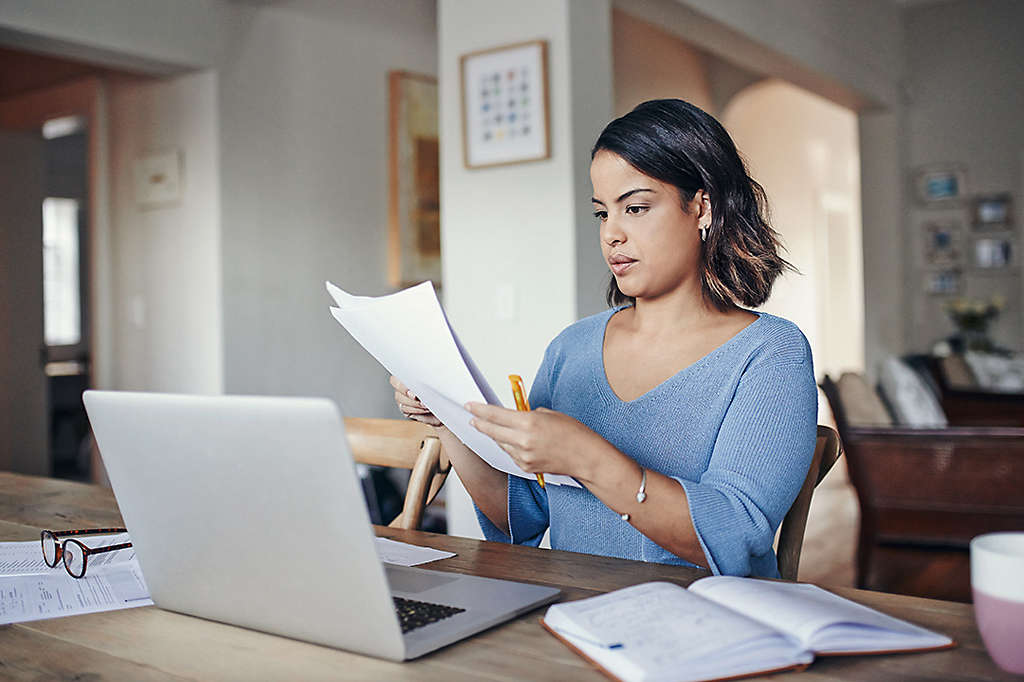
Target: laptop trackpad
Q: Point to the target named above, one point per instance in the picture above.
(414, 581)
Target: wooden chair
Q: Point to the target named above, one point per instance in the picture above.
(407, 445)
(791, 535)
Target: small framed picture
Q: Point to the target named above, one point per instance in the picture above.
(993, 212)
(944, 282)
(505, 105)
(945, 184)
(993, 253)
(942, 243)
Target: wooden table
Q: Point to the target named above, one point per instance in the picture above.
(149, 643)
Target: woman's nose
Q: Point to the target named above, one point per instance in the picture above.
(611, 234)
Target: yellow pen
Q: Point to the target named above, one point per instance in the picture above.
(523, 405)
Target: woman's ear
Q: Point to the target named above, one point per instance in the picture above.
(704, 209)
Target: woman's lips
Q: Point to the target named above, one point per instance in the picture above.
(620, 267)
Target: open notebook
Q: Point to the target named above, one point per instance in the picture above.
(724, 627)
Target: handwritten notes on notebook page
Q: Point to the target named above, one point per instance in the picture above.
(661, 632)
(409, 334)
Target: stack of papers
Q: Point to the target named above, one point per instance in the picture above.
(409, 333)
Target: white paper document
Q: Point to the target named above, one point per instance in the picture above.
(50, 595)
(409, 334)
(31, 590)
(403, 554)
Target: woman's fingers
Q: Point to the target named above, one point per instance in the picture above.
(428, 419)
(397, 385)
(498, 415)
(410, 406)
(503, 434)
(404, 401)
(401, 388)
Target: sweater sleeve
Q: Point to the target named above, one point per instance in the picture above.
(758, 464)
(528, 515)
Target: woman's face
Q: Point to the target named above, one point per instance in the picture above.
(651, 245)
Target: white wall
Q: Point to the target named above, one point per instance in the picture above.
(522, 232)
(167, 332)
(149, 35)
(846, 51)
(650, 63)
(304, 138)
(965, 64)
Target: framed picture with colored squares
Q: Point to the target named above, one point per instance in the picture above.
(505, 105)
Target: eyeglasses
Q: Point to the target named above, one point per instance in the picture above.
(74, 554)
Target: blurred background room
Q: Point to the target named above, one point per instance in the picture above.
(180, 178)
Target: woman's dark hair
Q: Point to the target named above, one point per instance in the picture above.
(679, 144)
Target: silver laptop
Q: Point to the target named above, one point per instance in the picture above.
(248, 511)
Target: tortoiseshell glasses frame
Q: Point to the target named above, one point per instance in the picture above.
(74, 554)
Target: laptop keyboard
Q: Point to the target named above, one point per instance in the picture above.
(414, 614)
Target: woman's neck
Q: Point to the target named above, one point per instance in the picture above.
(680, 309)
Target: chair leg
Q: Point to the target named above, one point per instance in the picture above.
(420, 483)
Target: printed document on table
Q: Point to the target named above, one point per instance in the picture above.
(409, 334)
(404, 554)
(55, 594)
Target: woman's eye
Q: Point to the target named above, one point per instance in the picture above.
(601, 215)
(636, 210)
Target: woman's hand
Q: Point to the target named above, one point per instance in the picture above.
(410, 405)
(541, 441)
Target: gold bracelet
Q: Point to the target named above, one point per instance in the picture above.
(641, 494)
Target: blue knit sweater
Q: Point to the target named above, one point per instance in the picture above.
(736, 429)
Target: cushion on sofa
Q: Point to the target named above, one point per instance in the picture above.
(913, 404)
(997, 372)
(860, 403)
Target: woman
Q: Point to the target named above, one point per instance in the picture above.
(689, 421)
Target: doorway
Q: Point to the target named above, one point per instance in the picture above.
(66, 355)
(50, 126)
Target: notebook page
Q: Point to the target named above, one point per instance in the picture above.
(823, 622)
(408, 333)
(657, 631)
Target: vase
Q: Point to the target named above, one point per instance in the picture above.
(975, 340)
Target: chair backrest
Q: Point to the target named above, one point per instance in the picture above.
(791, 536)
(406, 445)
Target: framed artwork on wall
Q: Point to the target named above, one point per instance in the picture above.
(993, 253)
(940, 184)
(944, 282)
(993, 212)
(942, 243)
(414, 216)
(505, 105)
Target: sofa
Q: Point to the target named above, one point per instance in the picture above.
(925, 483)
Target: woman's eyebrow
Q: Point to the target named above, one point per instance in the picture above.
(624, 195)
